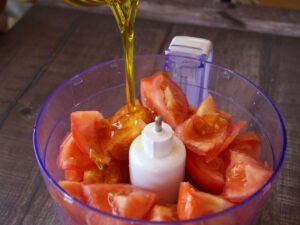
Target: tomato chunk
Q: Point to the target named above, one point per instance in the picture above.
(206, 130)
(125, 128)
(112, 198)
(165, 98)
(73, 188)
(90, 131)
(234, 130)
(166, 212)
(74, 175)
(244, 176)
(193, 203)
(248, 143)
(70, 157)
(135, 204)
(210, 176)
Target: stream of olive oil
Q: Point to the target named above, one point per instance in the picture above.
(124, 12)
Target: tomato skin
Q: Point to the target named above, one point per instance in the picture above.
(166, 212)
(210, 176)
(165, 98)
(71, 158)
(244, 176)
(193, 203)
(90, 131)
(97, 195)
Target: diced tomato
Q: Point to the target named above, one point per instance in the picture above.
(114, 172)
(165, 98)
(202, 134)
(135, 204)
(74, 175)
(71, 158)
(166, 212)
(193, 203)
(234, 131)
(73, 188)
(209, 106)
(244, 176)
(97, 196)
(90, 131)
(123, 111)
(248, 143)
(125, 128)
(192, 109)
(210, 176)
(93, 177)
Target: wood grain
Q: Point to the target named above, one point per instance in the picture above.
(212, 13)
(52, 44)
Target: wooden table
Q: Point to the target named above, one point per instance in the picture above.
(51, 44)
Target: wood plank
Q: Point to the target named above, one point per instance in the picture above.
(212, 13)
(28, 47)
(20, 195)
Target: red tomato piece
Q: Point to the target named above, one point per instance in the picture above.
(71, 158)
(125, 128)
(206, 130)
(74, 175)
(248, 143)
(193, 203)
(73, 188)
(166, 212)
(114, 172)
(244, 176)
(135, 204)
(234, 131)
(97, 196)
(202, 134)
(210, 176)
(90, 131)
(165, 98)
(93, 177)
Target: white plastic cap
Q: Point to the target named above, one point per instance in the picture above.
(191, 45)
(157, 144)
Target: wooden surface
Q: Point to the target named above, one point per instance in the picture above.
(51, 44)
(213, 13)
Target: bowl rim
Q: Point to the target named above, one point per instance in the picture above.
(262, 189)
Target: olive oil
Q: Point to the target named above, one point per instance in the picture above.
(124, 12)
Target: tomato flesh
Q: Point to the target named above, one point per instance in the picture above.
(166, 212)
(73, 188)
(234, 130)
(248, 143)
(90, 131)
(119, 198)
(71, 158)
(244, 176)
(136, 204)
(193, 203)
(165, 98)
(210, 176)
(202, 134)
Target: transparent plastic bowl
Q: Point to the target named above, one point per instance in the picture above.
(102, 88)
